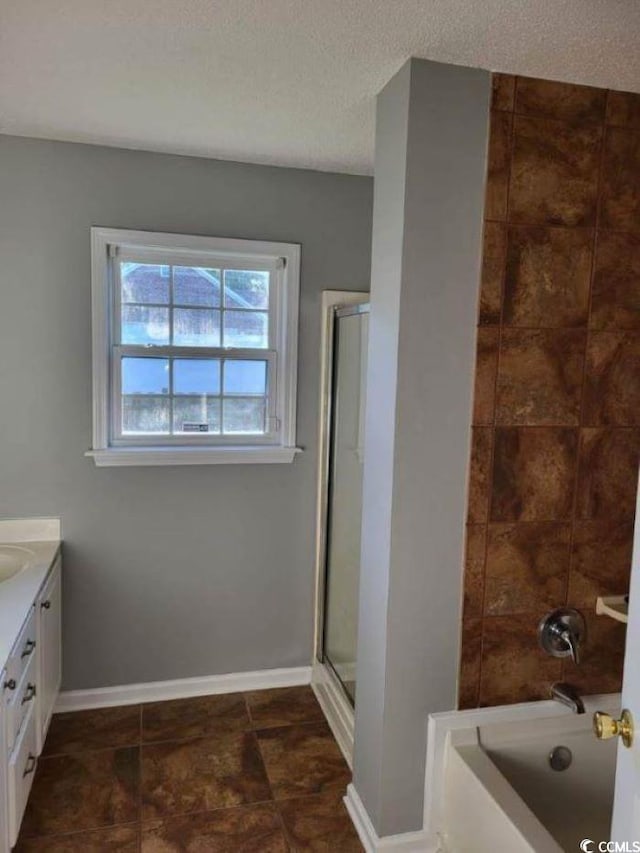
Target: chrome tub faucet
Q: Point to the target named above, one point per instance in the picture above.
(567, 695)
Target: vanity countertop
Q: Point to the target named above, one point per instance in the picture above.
(18, 593)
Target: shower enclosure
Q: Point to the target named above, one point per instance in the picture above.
(340, 497)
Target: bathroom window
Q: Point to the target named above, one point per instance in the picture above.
(194, 349)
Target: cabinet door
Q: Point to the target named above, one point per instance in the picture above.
(49, 613)
(4, 791)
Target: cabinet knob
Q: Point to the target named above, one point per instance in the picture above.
(29, 646)
(10, 684)
(29, 693)
(46, 605)
(31, 765)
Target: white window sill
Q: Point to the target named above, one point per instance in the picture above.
(117, 456)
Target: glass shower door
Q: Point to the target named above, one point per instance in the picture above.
(344, 512)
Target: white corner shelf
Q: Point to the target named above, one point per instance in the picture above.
(615, 606)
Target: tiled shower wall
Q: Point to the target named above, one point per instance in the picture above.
(556, 438)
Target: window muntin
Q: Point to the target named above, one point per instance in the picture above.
(167, 305)
(199, 308)
(180, 395)
(193, 355)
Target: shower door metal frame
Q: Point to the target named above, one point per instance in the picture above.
(332, 300)
(338, 313)
(335, 303)
(326, 685)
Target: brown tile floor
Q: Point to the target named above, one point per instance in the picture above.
(257, 771)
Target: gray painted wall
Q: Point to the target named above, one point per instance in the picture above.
(168, 572)
(431, 139)
(392, 124)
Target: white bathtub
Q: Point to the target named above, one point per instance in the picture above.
(490, 787)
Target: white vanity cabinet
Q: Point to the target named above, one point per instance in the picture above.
(4, 790)
(28, 692)
(49, 633)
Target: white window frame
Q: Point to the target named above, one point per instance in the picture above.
(110, 447)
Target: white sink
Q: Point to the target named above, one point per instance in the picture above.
(13, 559)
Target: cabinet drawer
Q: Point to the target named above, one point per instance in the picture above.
(48, 617)
(20, 701)
(23, 650)
(22, 765)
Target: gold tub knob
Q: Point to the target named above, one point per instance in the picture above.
(606, 727)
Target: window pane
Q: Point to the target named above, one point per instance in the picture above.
(145, 414)
(145, 376)
(196, 376)
(196, 286)
(193, 415)
(142, 325)
(145, 283)
(196, 327)
(246, 329)
(244, 415)
(245, 289)
(245, 377)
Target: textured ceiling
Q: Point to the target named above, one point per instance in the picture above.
(290, 82)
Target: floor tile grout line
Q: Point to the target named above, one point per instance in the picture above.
(165, 817)
(141, 742)
(288, 839)
(220, 809)
(88, 751)
(247, 705)
(139, 824)
(215, 735)
(104, 828)
(309, 795)
(277, 799)
(222, 735)
(264, 765)
(283, 725)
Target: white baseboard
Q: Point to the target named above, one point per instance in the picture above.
(181, 688)
(406, 842)
(336, 708)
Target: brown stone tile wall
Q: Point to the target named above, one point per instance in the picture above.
(556, 420)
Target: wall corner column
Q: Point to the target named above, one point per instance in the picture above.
(429, 177)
